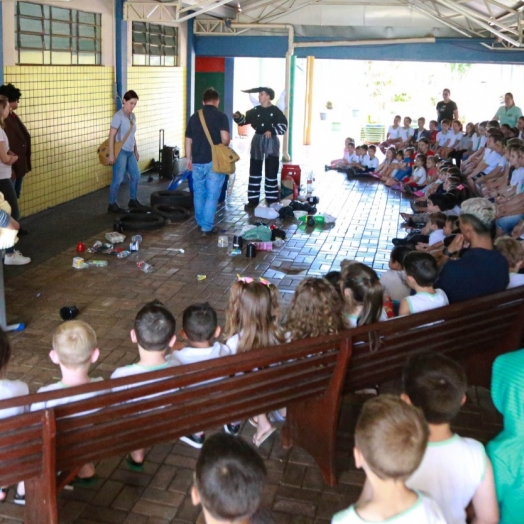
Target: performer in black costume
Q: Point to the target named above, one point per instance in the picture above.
(268, 122)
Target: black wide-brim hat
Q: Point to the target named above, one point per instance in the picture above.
(268, 90)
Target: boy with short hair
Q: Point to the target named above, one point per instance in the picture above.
(513, 252)
(228, 481)
(443, 136)
(433, 132)
(421, 274)
(406, 133)
(200, 329)
(437, 222)
(390, 440)
(154, 334)
(455, 470)
(421, 131)
(74, 350)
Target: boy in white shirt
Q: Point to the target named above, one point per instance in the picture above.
(421, 274)
(154, 334)
(229, 480)
(200, 329)
(369, 161)
(513, 252)
(74, 350)
(390, 441)
(443, 137)
(455, 470)
(406, 133)
(436, 225)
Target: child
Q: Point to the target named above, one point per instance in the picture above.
(443, 138)
(363, 294)
(454, 138)
(369, 162)
(433, 132)
(252, 317)
(464, 147)
(513, 252)
(394, 279)
(406, 132)
(420, 132)
(418, 179)
(229, 479)
(9, 389)
(74, 350)
(200, 329)
(433, 181)
(390, 440)
(393, 135)
(335, 164)
(405, 168)
(384, 170)
(153, 333)
(316, 310)
(455, 470)
(421, 274)
(437, 221)
(506, 450)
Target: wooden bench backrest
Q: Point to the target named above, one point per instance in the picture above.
(26, 446)
(182, 400)
(472, 332)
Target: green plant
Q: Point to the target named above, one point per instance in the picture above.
(329, 105)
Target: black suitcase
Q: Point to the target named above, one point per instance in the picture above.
(169, 158)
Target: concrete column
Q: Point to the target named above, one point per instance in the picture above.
(229, 73)
(1, 45)
(121, 52)
(190, 79)
(308, 114)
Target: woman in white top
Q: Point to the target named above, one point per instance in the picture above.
(7, 159)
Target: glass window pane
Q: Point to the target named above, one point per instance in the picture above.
(86, 45)
(139, 37)
(60, 58)
(87, 59)
(86, 30)
(139, 60)
(154, 50)
(154, 60)
(59, 28)
(34, 41)
(169, 40)
(155, 28)
(86, 18)
(168, 30)
(60, 43)
(170, 51)
(57, 13)
(169, 60)
(47, 27)
(30, 25)
(139, 49)
(47, 42)
(30, 9)
(155, 39)
(139, 26)
(31, 57)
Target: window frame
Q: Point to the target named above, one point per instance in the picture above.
(155, 44)
(51, 38)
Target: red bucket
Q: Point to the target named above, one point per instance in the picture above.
(291, 170)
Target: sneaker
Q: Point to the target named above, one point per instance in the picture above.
(16, 259)
(266, 212)
(114, 208)
(232, 429)
(196, 440)
(135, 204)
(250, 206)
(19, 499)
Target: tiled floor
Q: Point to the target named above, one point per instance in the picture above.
(367, 218)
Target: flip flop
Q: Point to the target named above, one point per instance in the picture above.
(258, 442)
(133, 465)
(253, 422)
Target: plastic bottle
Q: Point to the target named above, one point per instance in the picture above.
(310, 178)
(144, 266)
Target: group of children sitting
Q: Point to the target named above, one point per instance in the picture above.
(391, 436)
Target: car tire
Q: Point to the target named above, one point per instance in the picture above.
(139, 222)
(172, 213)
(172, 198)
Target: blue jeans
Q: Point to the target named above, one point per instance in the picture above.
(508, 223)
(126, 161)
(207, 186)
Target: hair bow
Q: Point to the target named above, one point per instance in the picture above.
(460, 188)
(245, 280)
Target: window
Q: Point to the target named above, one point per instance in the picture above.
(154, 44)
(53, 35)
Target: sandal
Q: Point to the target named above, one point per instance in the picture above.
(3, 491)
(253, 422)
(133, 465)
(258, 442)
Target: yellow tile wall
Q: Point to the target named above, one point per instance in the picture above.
(162, 105)
(67, 110)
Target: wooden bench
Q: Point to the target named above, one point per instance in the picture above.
(309, 377)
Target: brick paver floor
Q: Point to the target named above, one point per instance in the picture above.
(108, 298)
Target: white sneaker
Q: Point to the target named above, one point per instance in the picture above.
(16, 259)
(266, 212)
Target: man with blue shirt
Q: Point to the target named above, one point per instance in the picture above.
(207, 184)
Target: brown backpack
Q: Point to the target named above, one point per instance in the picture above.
(103, 148)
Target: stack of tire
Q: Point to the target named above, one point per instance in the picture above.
(166, 207)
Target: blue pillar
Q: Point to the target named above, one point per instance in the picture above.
(1, 45)
(190, 80)
(229, 77)
(121, 51)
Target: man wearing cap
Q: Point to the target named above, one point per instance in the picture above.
(268, 121)
(478, 270)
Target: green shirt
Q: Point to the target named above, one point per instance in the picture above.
(508, 116)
